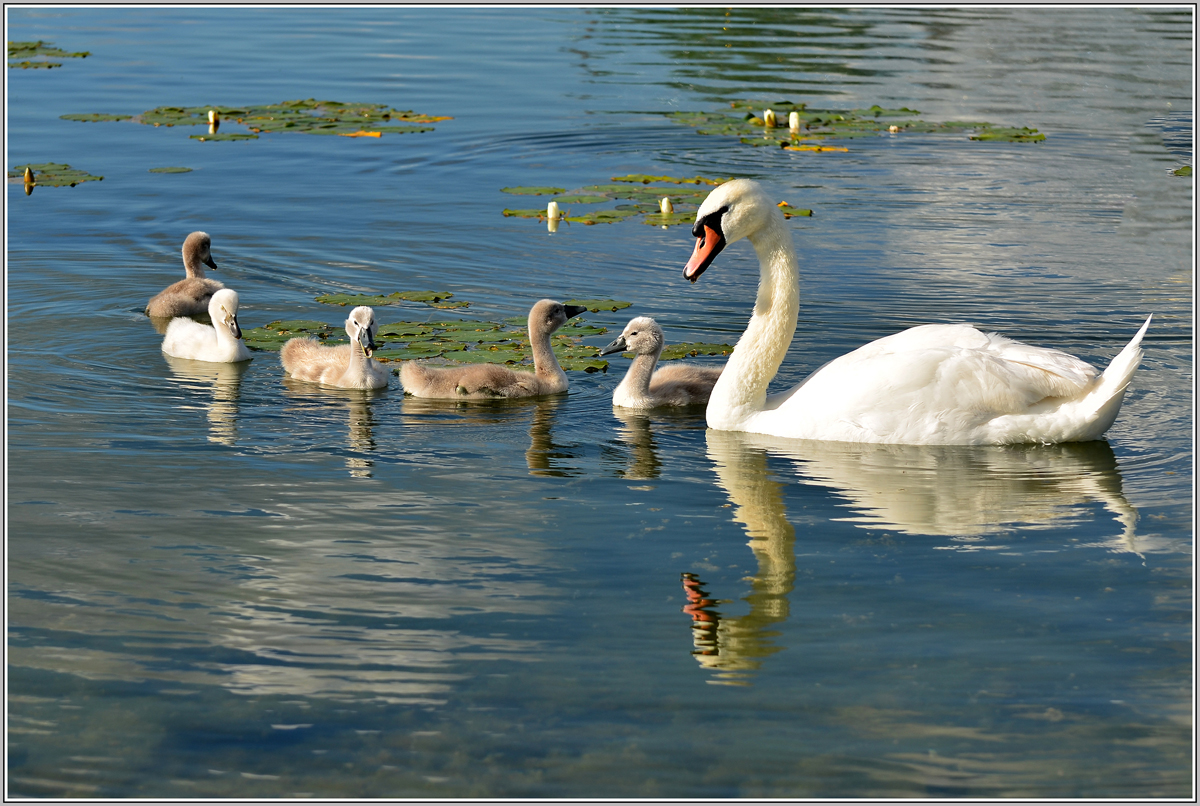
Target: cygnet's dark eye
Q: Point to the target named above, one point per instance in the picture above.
(634, 333)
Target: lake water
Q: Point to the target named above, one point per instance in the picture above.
(223, 583)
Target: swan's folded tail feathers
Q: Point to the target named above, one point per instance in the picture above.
(1120, 370)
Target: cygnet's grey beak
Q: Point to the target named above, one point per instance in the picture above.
(233, 326)
(574, 310)
(366, 341)
(616, 346)
(208, 261)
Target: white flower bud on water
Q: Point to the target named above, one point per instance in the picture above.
(665, 205)
(769, 118)
(794, 121)
(552, 216)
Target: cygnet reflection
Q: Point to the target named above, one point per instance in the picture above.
(546, 457)
(360, 418)
(643, 453)
(966, 493)
(223, 382)
(735, 645)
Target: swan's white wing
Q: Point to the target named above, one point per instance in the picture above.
(928, 380)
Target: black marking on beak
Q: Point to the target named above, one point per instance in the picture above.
(233, 327)
(617, 345)
(574, 310)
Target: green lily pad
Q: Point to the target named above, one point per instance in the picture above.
(601, 216)
(31, 50)
(539, 214)
(309, 116)
(1183, 170)
(533, 191)
(231, 136)
(584, 364)
(1007, 135)
(50, 174)
(580, 198)
(96, 117)
(746, 124)
(686, 349)
(171, 170)
(595, 305)
(428, 297)
(646, 179)
(670, 219)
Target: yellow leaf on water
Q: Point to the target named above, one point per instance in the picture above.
(361, 134)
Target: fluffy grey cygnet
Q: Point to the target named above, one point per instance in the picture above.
(190, 295)
(642, 387)
(488, 381)
(347, 366)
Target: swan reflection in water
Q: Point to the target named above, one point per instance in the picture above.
(967, 494)
(635, 432)
(360, 418)
(224, 382)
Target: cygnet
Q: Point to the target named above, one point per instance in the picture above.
(642, 387)
(348, 366)
(221, 342)
(486, 381)
(189, 296)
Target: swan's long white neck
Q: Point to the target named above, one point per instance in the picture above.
(741, 391)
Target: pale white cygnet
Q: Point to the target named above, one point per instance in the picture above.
(348, 366)
(486, 381)
(221, 342)
(673, 385)
(190, 295)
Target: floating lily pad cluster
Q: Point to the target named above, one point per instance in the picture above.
(51, 174)
(749, 122)
(465, 341)
(308, 116)
(435, 299)
(33, 50)
(646, 198)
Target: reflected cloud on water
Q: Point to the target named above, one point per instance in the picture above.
(223, 382)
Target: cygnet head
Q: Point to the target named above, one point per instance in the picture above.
(547, 316)
(223, 309)
(196, 248)
(735, 210)
(361, 328)
(642, 336)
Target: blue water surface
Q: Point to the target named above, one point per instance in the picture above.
(226, 583)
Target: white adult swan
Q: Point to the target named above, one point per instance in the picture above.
(348, 366)
(643, 387)
(929, 385)
(221, 342)
(190, 295)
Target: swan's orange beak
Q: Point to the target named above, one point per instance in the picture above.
(708, 246)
